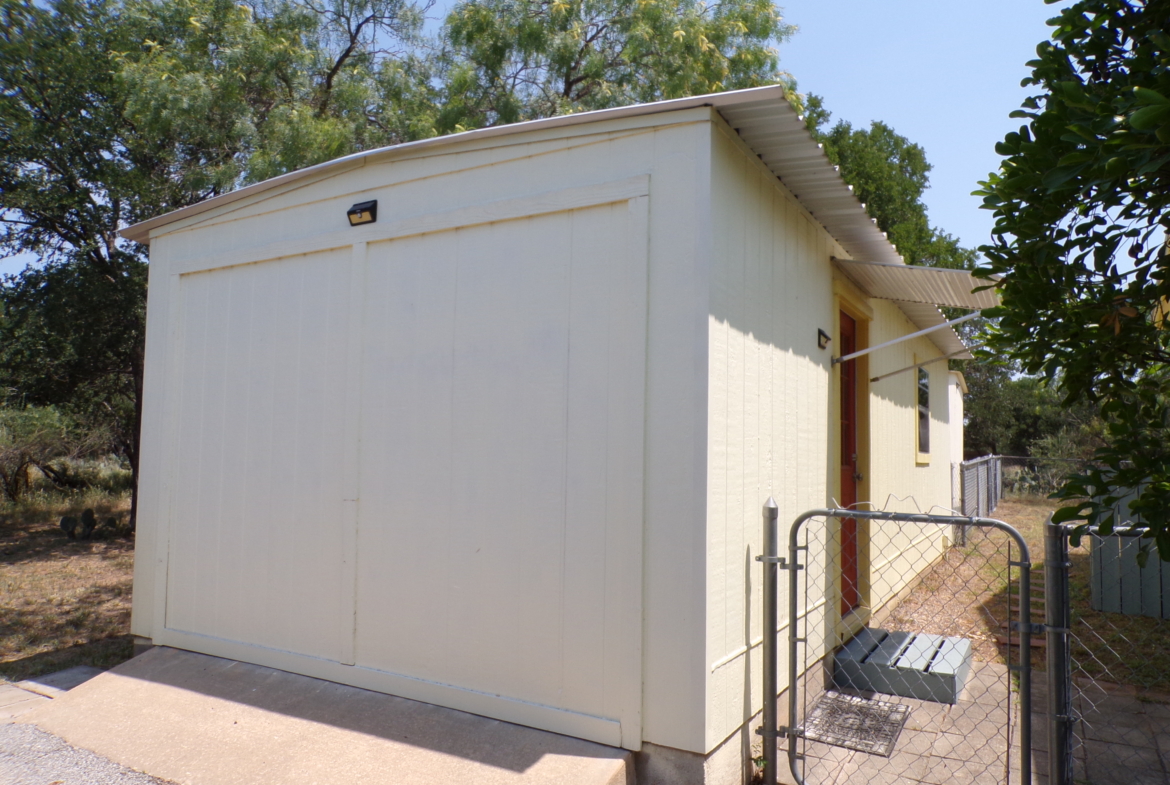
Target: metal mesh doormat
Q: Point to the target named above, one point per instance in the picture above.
(860, 724)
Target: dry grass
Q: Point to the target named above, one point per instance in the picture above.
(63, 602)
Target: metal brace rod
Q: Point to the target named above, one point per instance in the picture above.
(919, 365)
(909, 337)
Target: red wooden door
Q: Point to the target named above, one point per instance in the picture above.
(850, 595)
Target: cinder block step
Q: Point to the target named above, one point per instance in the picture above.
(907, 664)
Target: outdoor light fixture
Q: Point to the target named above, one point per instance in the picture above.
(822, 339)
(363, 213)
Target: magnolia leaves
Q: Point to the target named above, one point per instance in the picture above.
(1154, 115)
(1082, 204)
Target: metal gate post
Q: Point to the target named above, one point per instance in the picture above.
(1025, 666)
(771, 563)
(1058, 620)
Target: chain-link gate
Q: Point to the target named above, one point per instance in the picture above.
(903, 658)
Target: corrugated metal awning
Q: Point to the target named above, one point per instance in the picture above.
(914, 284)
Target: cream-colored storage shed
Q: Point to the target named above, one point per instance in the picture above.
(504, 449)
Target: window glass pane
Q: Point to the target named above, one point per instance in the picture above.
(923, 410)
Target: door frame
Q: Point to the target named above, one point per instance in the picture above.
(848, 299)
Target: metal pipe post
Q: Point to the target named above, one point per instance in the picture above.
(1025, 666)
(771, 512)
(1058, 621)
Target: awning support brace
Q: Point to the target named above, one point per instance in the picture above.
(911, 336)
(917, 365)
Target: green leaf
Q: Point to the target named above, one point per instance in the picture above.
(1058, 176)
(1116, 167)
(1149, 97)
(1064, 514)
(1150, 117)
(1075, 158)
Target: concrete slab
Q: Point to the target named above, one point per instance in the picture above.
(15, 702)
(56, 684)
(202, 720)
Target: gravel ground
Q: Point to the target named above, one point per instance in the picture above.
(29, 756)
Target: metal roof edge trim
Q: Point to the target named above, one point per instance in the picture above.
(827, 198)
(140, 232)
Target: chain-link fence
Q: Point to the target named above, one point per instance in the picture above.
(981, 483)
(978, 485)
(904, 648)
(1112, 670)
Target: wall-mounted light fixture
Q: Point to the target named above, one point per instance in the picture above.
(822, 339)
(363, 213)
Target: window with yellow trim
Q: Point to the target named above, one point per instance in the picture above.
(923, 411)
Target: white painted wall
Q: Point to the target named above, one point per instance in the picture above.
(768, 417)
(500, 407)
(773, 424)
(500, 515)
(505, 449)
(956, 389)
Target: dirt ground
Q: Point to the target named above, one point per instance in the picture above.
(967, 593)
(63, 602)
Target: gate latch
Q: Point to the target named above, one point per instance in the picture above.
(780, 562)
(1034, 629)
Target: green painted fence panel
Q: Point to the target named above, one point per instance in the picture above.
(1119, 585)
(1131, 577)
(1108, 561)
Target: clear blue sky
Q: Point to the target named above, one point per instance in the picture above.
(943, 73)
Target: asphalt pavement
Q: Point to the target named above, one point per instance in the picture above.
(29, 756)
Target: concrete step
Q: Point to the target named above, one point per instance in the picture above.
(200, 720)
(57, 684)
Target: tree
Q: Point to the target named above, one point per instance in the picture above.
(113, 112)
(889, 174)
(511, 60)
(1082, 206)
(1012, 414)
(32, 437)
